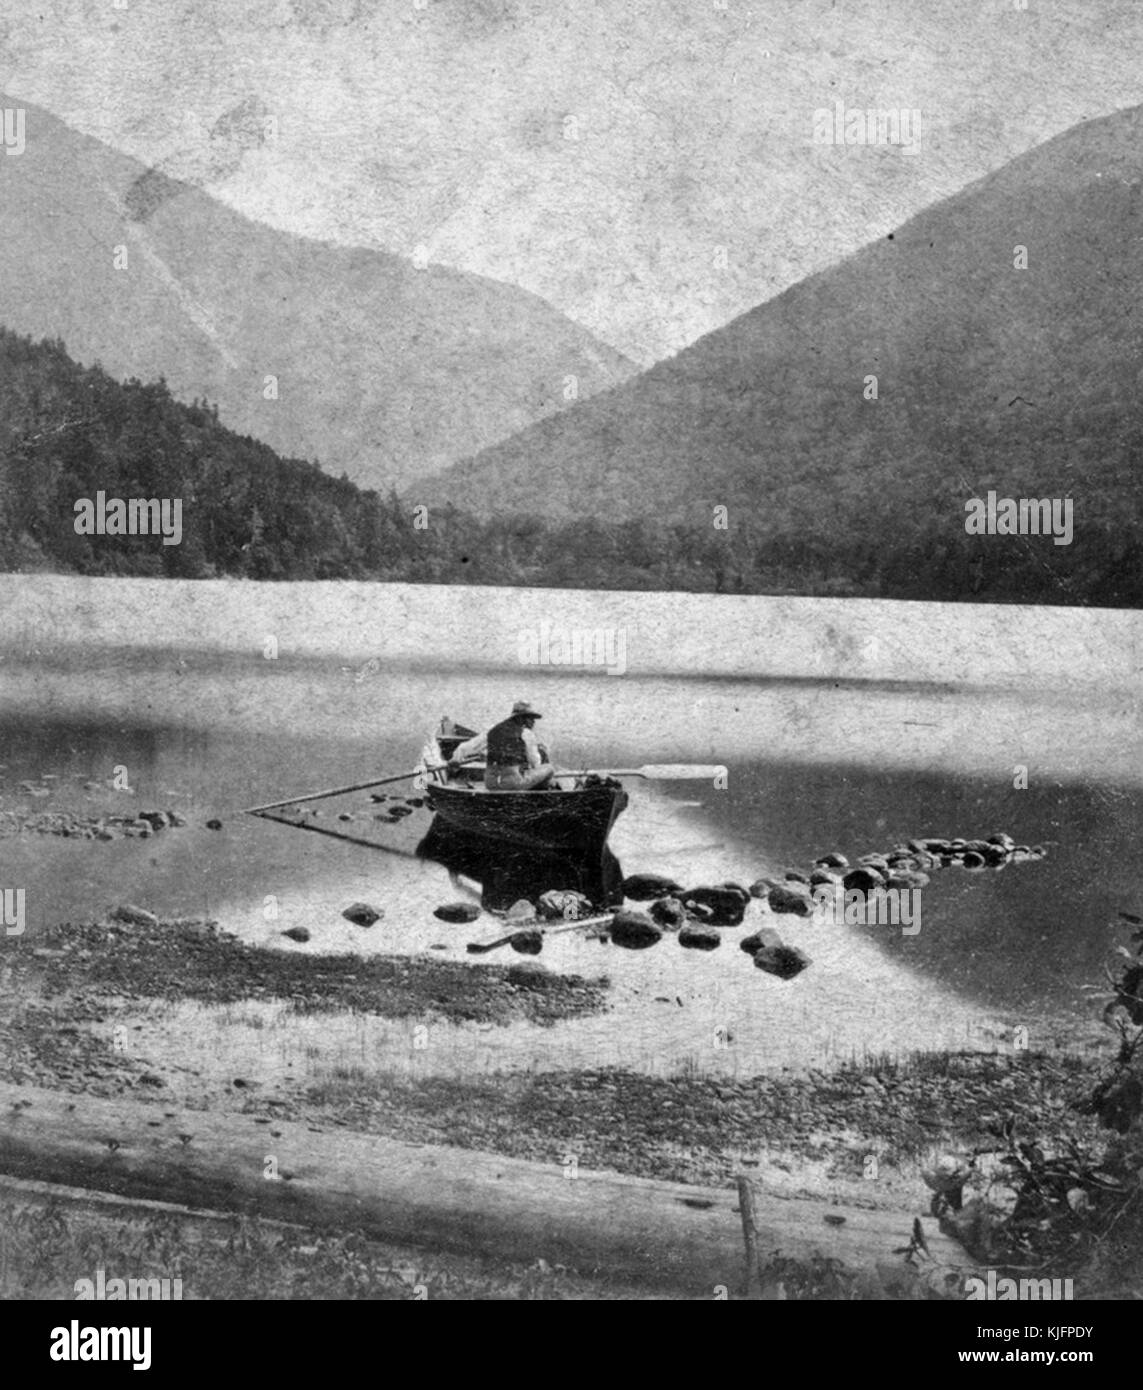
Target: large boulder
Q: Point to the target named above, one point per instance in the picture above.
(791, 897)
(641, 888)
(457, 912)
(727, 903)
(697, 936)
(362, 915)
(783, 961)
(634, 930)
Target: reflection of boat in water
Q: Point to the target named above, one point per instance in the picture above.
(520, 843)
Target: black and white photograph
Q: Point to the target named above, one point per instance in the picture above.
(570, 650)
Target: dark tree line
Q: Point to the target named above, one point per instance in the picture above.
(68, 431)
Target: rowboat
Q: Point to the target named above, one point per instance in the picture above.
(520, 842)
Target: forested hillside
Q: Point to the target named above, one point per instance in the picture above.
(68, 432)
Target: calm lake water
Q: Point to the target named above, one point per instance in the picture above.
(856, 757)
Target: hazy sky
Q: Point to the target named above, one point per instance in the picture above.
(647, 166)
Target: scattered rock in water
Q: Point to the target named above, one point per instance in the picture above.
(791, 897)
(528, 943)
(634, 930)
(863, 879)
(157, 820)
(783, 961)
(764, 937)
(761, 886)
(345, 816)
(972, 860)
(565, 903)
(400, 811)
(520, 911)
(214, 825)
(698, 936)
(379, 797)
(175, 819)
(362, 915)
(297, 934)
(457, 912)
(832, 861)
(414, 801)
(905, 880)
(669, 913)
(134, 916)
(727, 904)
(698, 912)
(874, 861)
(825, 878)
(794, 877)
(438, 946)
(641, 888)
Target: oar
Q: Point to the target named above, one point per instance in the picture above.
(478, 948)
(657, 771)
(341, 791)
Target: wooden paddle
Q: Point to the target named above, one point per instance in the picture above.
(657, 771)
(478, 948)
(341, 791)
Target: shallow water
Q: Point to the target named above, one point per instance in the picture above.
(814, 764)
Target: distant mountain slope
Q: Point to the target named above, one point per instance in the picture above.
(384, 371)
(1025, 380)
(228, 505)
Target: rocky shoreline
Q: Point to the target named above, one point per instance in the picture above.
(64, 998)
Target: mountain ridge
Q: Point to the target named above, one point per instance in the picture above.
(384, 371)
(982, 369)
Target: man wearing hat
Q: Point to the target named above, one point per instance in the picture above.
(514, 760)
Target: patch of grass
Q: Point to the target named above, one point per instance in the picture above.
(46, 1245)
(194, 960)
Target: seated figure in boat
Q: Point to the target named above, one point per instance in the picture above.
(514, 759)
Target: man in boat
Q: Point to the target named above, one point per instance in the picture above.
(514, 759)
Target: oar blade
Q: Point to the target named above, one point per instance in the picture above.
(683, 772)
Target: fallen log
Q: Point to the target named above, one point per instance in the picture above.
(660, 1233)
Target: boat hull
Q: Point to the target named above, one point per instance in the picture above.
(519, 844)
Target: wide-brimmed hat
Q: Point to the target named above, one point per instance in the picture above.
(523, 707)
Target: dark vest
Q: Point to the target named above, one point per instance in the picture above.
(506, 745)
